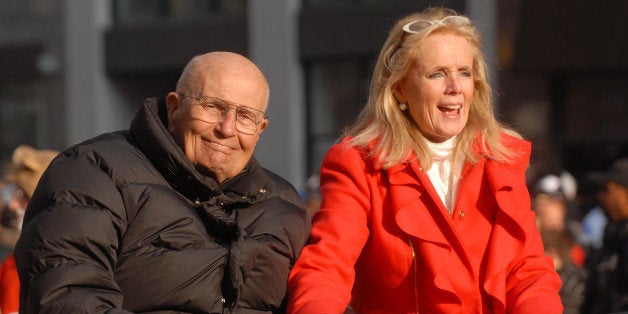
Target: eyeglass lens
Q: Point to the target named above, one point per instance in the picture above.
(416, 26)
(246, 119)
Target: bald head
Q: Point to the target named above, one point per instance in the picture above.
(218, 147)
(212, 70)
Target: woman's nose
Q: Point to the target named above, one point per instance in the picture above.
(453, 85)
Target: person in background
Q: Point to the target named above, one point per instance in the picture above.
(607, 286)
(425, 207)
(174, 214)
(551, 195)
(8, 235)
(27, 166)
(593, 224)
(593, 218)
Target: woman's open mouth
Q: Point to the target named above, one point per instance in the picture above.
(450, 111)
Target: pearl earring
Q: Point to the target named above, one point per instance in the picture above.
(403, 106)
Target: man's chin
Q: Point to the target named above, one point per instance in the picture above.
(220, 173)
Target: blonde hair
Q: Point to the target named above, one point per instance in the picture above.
(391, 134)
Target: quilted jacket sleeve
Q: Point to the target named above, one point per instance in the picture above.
(272, 236)
(67, 250)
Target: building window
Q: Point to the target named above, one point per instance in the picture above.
(23, 115)
(137, 12)
(329, 3)
(337, 91)
(591, 120)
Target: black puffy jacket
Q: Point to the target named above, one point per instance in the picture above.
(607, 285)
(124, 223)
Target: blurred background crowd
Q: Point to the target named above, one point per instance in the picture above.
(72, 69)
(590, 252)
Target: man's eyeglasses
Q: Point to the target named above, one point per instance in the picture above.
(452, 20)
(216, 109)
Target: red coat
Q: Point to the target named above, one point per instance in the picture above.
(384, 242)
(9, 286)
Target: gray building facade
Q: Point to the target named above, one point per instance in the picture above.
(72, 69)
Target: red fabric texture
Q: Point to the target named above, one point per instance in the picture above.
(578, 255)
(383, 242)
(9, 286)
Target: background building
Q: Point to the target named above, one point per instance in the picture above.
(72, 69)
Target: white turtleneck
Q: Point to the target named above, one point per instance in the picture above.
(444, 180)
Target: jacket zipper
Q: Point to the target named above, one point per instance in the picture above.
(416, 272)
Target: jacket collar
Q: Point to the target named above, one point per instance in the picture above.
(417, 219)
(149, 128)
(410, 202)
(504, 178)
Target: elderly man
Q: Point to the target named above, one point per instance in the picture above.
(173, 215)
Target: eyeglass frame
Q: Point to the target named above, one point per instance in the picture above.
(462, 21)
(203, 101)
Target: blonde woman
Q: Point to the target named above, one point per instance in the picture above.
(424, 201)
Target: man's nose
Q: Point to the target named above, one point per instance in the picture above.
(227, 123)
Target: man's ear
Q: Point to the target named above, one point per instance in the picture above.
(172, 105)
(263, 125)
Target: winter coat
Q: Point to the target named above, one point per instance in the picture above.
(124, 222)
(607, 286)
(385, 243)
